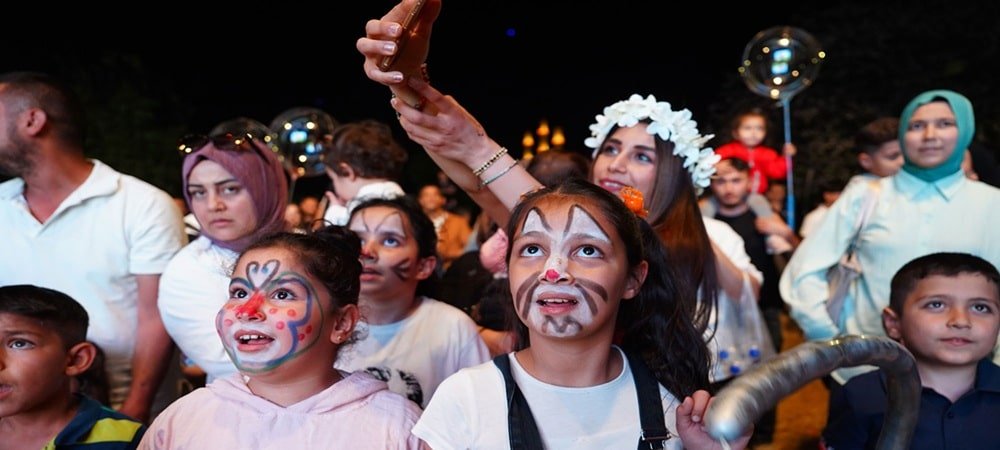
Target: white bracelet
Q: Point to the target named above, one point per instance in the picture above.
(485, 183)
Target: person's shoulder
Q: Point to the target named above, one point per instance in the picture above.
(475, 377)
(190, 256)
(726, 149)
(718, 230)
(442, 311)
(983, 190)
(129, 182)
(988, 375)
(97, 426)
(866, 384)
(11, 188)
(382, 401)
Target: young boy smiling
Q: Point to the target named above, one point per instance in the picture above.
(945, 309)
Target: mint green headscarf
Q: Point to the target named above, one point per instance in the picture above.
(965, 120)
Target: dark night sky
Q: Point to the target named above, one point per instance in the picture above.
(259, 63)
(552, 66)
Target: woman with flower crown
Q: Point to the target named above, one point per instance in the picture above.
(637, 142)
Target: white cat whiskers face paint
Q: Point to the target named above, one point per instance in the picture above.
(567, 271)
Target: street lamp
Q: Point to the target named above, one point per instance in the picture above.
(543, 139)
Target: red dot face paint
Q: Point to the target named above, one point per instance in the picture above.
(252, 306)
(551, 275)
(279, 304)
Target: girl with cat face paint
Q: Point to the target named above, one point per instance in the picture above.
(580, 262)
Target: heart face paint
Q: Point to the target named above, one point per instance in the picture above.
(273, 313)
(568, 273)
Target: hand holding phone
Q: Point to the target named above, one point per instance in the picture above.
(408, 23)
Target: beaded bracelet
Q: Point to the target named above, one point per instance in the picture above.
(496, 156)
(485, 183)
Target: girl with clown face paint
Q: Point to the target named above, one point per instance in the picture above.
(292, 305)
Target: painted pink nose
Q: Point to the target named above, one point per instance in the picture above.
(551, 275)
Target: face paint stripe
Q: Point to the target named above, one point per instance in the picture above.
(560, 328)
(600, 290)
(590, 300)
(541, 218)
(524, 293)
(597, 224)
(401, 269)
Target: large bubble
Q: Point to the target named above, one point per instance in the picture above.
(304, 135)
(780, 62)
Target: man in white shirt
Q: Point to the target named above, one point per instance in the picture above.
(76, 225)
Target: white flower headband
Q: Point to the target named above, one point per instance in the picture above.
(669, 125)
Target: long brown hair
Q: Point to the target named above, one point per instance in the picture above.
(676, 220)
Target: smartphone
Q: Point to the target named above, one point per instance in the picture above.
(411, 19)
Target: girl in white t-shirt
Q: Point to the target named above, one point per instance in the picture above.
(411, 341)
(581, 262)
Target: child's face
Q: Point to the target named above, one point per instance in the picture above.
(276, 312)
(219, 201)
(568, 270)
(885, 162)
(35, 367)
(627, 158)
(931, 135)
(948, 320)
(390, 255)
(751, 131)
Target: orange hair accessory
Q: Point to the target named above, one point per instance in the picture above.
(633, 201)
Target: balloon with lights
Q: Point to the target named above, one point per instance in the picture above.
(778, 63)
(304, 135)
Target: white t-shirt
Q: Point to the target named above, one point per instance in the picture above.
(469, 411)
(731, 245)
(812, 220)
(110, 229)
(193, 288)
(417, 353)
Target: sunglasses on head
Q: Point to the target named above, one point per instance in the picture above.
(233, 142)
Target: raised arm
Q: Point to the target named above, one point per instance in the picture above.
(380, 40)
(453, 138)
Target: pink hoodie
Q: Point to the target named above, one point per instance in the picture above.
(358, 412)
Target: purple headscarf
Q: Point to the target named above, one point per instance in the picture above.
(263, 178)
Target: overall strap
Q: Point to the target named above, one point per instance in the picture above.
(520, 423)
(651, 417)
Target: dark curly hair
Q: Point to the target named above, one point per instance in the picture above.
(329, 254)
(369, 148)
